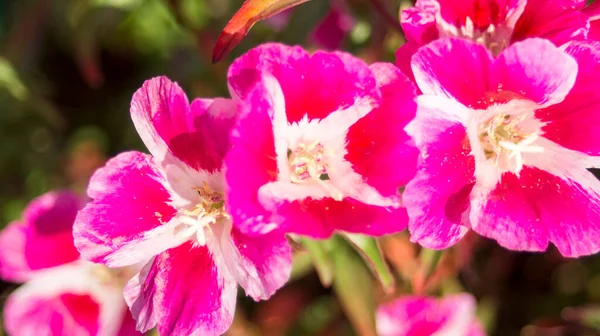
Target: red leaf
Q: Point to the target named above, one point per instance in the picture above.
(250, 13)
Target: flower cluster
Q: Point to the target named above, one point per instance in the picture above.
(62, 294)
(488, 122)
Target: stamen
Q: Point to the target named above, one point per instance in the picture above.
(307, 164)
(501, 136)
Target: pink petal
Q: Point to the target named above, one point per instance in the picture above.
(341, 78)
(43, 239)
(167, 124)
(438, 197)
(419, 22)
(404, 56)
(525, 213)
(377, 145)
(417, 315)
(124, 222)
(49, 220)
(65, 300)
(66, 314)
(319, 219)
(574, 122)
(259, 161)
(184, 292)
(332, 30)
(13, 265)
(535, 69)
(260, 264)
(456, 68)
(558, 21)
(593, 14)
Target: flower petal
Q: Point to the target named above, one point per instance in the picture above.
(437, 64)
(167, 124)
(559, 21)
(128, 219)
(65, 300)
(13, 264)
(417, 315)
(319, 219)
(342, 79)
(49, 220)
(377, 145)
(574, 122)
(251, 164)
(184, 292)
(535, 69)
(260, 264)
(525, 213)
(438, 197)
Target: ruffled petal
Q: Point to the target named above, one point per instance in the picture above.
(129, 218)
(319, 219)
(167, 124)
(342, 79)
(527, 212)
(535, 69)
(455, 68)
(559, 21)
(574, 123)
(251, 164)
(184, 292)
(437, 199)
(377, 145)
(260, 264)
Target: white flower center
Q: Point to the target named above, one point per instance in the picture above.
(503, 140)
(495, 38)
(210, 210)
(307, 165)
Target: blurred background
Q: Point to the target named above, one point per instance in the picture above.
(68, 69)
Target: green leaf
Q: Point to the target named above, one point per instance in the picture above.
(353, 286)
(320, 253)
(369, 250)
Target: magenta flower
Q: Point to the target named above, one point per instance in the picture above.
(62, 294)
(505, 143)
(425, 316)
(170, 208)
(321, 144)
(495, 24)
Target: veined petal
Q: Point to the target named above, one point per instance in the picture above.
(535, 69)
(527, 212)
(183, 291)
(260, 264)
(129, 219)
(435, 67)
(251, 164)
(168, 124)
(378, 148)
(437, 199)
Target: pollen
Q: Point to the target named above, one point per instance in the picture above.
(502, 140)
(209, 210)
(307, 163)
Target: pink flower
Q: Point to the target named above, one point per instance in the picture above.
(495, 24)
(62, 294)
(321, 144)
(169, 208)
(424, 316)
(333, 29)
(505, 143)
